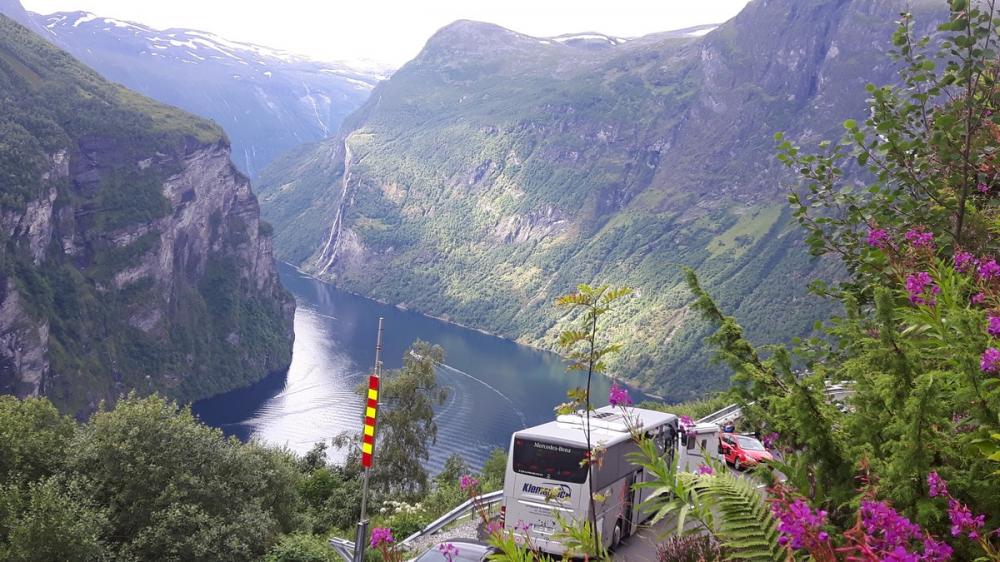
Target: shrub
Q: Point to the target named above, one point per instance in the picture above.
(689, 548)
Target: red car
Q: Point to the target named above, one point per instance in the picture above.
(741, 451)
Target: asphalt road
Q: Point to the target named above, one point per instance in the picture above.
(641, 546)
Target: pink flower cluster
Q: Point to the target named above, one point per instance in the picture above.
(921, 288)
(892, 536)
(993, 326)
(799, 525)
(963, 522)
(936, 485)
(988, 269)
(706, 470)
(467, 482)
(919, 239)
(878, 238)
(381, 536)
(770, 439)
(448, 550)
(618, 396)
(964, 261)
(990, 361)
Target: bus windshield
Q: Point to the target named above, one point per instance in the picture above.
(549, 460)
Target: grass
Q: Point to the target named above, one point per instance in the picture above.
(750, 228)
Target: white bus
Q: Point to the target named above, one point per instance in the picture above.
(546, 476)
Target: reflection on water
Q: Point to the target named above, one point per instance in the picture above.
(496, 386)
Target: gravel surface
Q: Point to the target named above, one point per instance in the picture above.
(467, 530)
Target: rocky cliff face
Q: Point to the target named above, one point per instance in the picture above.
(133, 254)
(496, 171)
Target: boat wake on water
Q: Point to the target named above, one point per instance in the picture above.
(516, 410)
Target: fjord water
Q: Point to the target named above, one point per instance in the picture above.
(496, 386)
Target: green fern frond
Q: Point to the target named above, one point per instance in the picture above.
(743, 523)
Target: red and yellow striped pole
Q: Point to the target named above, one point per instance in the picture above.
(368, 447)
(371, 412)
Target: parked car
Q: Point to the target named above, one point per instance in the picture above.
(741, 451)
(458, 550)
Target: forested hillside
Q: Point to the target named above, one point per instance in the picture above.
(497, 170)
(131, 250)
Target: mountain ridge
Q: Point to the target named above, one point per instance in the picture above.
(478, 184)
(268, 100)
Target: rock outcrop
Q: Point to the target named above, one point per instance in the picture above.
(133, 253)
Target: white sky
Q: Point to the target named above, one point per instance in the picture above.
(393, 31)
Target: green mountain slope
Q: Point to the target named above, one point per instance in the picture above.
(497, 170)
(131, 251)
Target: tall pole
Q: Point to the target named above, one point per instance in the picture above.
(362, 532)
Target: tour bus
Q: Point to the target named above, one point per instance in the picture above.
(546, 475)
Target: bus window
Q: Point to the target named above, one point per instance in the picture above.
(548, 460)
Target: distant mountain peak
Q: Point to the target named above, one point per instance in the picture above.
(268, 100)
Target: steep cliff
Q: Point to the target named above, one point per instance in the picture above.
(497, 170)
(131, 249)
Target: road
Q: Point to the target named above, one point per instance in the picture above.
(641, 547)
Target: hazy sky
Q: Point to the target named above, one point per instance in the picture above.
(392, 32)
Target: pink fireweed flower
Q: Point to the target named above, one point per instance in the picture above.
(921, 287)
(467, 482)
(878, 238)
(380, 536)
(962, 520)
(919, 238)
(937, 485)
(993, 326)
(978, 298)
(798, 524)
(770, 439)
(705, 469)
(448, 550)
(964, 261)
(889, 531)
(989, 270)
(686, 421)
(990, 361)
(936, 551)
(618, 396)
(983, 188)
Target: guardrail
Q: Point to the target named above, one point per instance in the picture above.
(464, 508)
(836, 392)
(345, 548)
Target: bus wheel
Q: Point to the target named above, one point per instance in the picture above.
(616, 536)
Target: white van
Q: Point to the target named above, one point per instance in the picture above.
(546, 475)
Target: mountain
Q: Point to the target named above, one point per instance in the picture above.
(267, 100)
(496, 170)
(131, 249)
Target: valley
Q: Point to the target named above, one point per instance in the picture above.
(496, 170)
